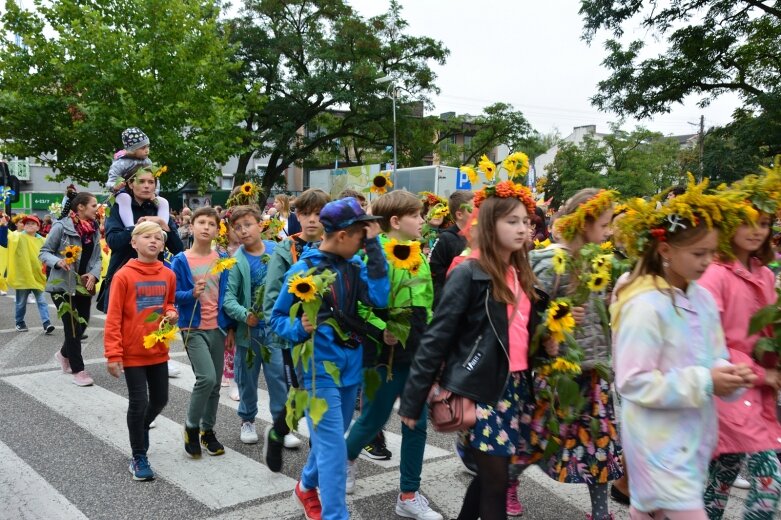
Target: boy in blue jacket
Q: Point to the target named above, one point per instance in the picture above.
(200, 290)
(347, 228)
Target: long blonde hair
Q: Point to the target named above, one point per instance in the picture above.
(284, 200)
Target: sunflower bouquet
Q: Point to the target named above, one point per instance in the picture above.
(70, 255)
(271, 227)
(165, 333)
(309, 289)
(244, 195)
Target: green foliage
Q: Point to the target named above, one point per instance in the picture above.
(302, 59)
(636, 164)
(333, 371)
(767, 317)
(66, 101)
(371, 382)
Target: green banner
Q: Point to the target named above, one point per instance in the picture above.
(42, 201)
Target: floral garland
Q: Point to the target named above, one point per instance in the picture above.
(516, 165)
(570, 225)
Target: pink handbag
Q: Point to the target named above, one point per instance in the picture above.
(450, 412)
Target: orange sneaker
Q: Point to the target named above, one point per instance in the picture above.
(309, 502)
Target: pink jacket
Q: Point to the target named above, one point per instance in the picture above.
(748, 424)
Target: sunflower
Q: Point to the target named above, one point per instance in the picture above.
(516, 164)
(487, 167)
(470, 173)
(160, 171)
(562, 365)
(381, 183)
(599, 281)
(223, 229)
(71, 254)
(224, 264)
(542, 245)
(303, 287)
(168, 335)
(607, 246)
(559, 262)
(559, 320)
(152, 339)
(602, 262)
(248, 189)
(403, 255)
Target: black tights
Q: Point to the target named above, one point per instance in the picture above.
(147, 392)
(486, 497)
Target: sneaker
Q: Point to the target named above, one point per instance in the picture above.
(83, 337)
(514, 506)
(140, 468)
(48, 329)
(64, 363)
(21, 327)
(741, 483)
(82, 379)
(309, 502)
(210, 442)
(416, 507)
(377, 450)
(173, 370)
(272, 450)
(191, 445)
(352, 474)
(292, 442)
(249, 435)
(153, 424)
(618, 495)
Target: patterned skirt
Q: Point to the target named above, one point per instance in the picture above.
(590, 450)
(504, 430)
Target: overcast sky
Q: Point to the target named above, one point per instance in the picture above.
(528, 53)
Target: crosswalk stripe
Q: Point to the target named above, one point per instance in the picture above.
(102, 413)
(24, 494)
(393, 440)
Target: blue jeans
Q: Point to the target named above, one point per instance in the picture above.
(40, 300)
(328, 455)
(247, 379)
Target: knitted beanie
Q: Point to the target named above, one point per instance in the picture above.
(133, 139)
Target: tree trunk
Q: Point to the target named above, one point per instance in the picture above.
(240, 176)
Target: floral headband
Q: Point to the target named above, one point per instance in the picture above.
(762, 191)
(516, 165)
(570, 225)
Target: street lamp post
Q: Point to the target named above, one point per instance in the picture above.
(393, 91)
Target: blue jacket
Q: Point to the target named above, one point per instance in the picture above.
(355, 281)
(239, 297)
(187, 304)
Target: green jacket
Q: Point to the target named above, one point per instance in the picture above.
(238, 295)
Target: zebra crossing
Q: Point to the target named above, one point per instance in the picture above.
(64, 452)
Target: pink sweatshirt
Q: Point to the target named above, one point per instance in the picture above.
(748, 424)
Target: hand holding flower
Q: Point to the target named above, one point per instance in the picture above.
(308, 327)
(200, 286)
(579, 313)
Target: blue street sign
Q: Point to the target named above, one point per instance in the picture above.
(462, 181)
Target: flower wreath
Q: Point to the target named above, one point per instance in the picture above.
(515, 164)
(570, 225)
(646, 222)
(762, 191)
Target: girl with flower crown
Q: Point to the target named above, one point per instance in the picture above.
(741, 284)
(670, 354)
(589, 449)
(480, 331)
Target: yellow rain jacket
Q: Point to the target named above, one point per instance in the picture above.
(24, 268)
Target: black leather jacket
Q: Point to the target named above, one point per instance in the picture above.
(468, 333)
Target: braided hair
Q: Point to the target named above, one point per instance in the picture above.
(70, 193)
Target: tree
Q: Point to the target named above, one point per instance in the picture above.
(301, 59)
(636, 163)
(85, 70)
(713, 47)
(499, 124)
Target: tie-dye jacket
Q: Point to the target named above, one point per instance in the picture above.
(665, 346)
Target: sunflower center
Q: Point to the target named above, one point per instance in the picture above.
(303, 288)
(561, 312)
(69, 254)
(380, 181)
(401, 251)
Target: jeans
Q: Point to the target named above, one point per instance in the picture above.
(247, 379)
(71, 346)
(374, 415)
(206, 350)
(143, 406)
(40, 300)
(328, 455)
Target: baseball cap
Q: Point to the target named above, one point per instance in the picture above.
(32, 218)
(342, 213)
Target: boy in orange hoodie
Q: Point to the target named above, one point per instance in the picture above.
(142, 287)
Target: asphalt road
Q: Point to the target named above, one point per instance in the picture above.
(64, 451)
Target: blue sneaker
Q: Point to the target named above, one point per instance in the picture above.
(140, 469)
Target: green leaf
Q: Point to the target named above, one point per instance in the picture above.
(154, 316)
(311, 309)
(307, 351)
(82, 290)
(604, 371)
(250, 358)
(64, 308)
(57, 281)
(294, 311)
(265, 354)
(400, 329)
(371, 382)
(297, 353)
(337, 329)
(568, 391)
(762, 318)
(333, 371)
(317, 408)
(764, 346)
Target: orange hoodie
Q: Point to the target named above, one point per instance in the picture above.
(137, 290)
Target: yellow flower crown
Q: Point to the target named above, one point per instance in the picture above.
(762, 191)
(516, 165)
(646, 222)
(570, 225)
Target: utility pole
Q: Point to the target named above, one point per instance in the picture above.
(702, 146)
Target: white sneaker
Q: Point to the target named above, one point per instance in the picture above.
(352, 473)
(249, 435)
(173, 370)
(416, 508)
(741, 483)
(153, 424)
(292, 442)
